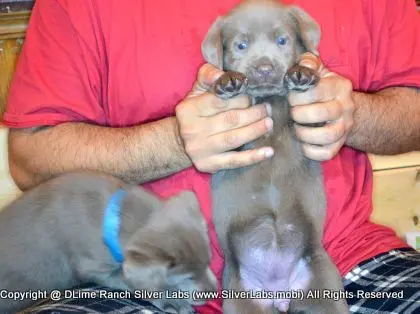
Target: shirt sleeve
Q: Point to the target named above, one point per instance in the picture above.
(58, 75)
(397, 41)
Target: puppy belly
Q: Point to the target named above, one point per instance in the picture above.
(273, 272)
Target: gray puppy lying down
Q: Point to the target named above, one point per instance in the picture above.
(269, 217)
(84, 227)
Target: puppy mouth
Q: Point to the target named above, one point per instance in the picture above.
(256, 82)
(266, 89)
(263, 86)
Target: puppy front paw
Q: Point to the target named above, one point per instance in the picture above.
(230, 84)
(300, 78)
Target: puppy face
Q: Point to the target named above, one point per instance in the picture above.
(172, 253)
(262, 40)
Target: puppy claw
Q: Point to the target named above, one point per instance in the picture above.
(230, 84)
(300, 78)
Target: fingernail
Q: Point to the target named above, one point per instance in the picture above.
(269, 123)
(308, 64)
(269, 110)
(266, 152)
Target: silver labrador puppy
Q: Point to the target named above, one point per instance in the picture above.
(67, 231)
(270, 217)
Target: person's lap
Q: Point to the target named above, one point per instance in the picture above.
(395, 272)
(94, 305)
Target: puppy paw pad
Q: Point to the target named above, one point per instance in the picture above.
(230, 84)
(300, 78)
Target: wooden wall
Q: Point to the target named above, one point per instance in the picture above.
(14, 17)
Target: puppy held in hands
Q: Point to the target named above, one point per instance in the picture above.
(89, 228)
(269, 217)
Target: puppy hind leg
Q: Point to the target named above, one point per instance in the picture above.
(265, 263)
(236, 303)
(245, 265)
(326, 291)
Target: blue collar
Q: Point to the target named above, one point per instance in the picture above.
(111, 227)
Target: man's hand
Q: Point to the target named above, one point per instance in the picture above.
(331, 102)
(211, 127)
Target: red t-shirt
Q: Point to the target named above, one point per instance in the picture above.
(120, 63)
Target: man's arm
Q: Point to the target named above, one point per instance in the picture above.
(136, 154)
(386, 122)
(203, 133)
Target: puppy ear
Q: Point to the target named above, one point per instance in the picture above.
(141, 271)
(212, 46)
(308, 29)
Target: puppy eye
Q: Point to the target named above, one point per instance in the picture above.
(281, 41)
(243, 45)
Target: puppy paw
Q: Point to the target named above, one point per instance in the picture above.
(230, 84)
(300, 78)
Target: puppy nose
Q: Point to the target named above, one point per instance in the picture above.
(264, 70)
